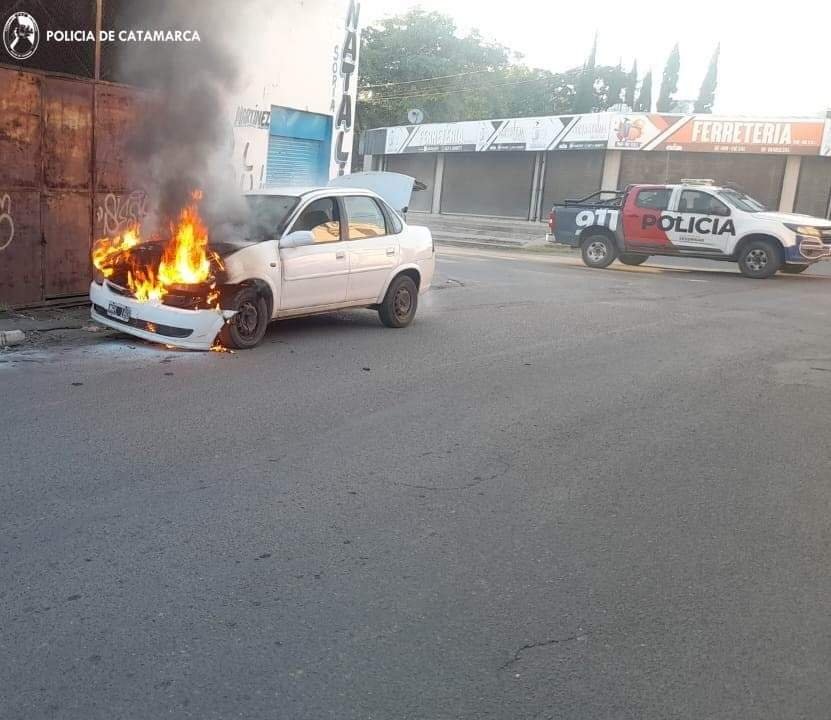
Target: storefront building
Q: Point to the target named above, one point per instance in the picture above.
(520, 167)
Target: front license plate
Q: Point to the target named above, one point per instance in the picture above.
(119, 312)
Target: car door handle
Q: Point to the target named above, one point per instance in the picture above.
(391, 251)
(340, 255)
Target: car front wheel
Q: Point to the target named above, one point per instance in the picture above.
(598, 251)
(248, 325)
(400, 303)
(759, 259)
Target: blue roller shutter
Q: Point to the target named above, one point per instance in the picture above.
(299, 144)
(293, 161)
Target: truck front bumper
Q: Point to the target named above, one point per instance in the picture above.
(153, 321)
(810, 249)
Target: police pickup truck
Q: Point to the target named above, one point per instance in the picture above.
(693, 218)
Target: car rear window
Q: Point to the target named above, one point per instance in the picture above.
(653, 198)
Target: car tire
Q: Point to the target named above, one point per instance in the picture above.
(760, 259)
(598, 251)
(246, 328)
(400, 303)
(793, 269)
(631, 259)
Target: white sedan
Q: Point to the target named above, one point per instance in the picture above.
(304, 251)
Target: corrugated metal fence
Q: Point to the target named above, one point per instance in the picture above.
(66, 178)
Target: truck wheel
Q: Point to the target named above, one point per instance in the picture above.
(759, 259)
(245, 329)
(400, 303)
(598, 251)
(793, 269)
(631, 259)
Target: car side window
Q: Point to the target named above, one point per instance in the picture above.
(701, 203)
(653, 199)
(394, 224)
(365, 218)
(322, 219)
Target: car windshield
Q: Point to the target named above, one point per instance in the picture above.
(742, 201)
(268, 215)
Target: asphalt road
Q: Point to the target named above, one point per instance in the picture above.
(562, 493)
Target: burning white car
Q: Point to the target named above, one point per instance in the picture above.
(303, 251)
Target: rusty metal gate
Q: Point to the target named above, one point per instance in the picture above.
(65, 179)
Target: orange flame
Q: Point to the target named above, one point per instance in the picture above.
(106, 250)
(185, 259)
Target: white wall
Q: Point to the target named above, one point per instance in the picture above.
(293, 59)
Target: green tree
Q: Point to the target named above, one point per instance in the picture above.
(644, 101)
(615, 87)
(400, 52)
(585, 95)
(707, 94)
(419, 60)
(631, 85)
(669, 81)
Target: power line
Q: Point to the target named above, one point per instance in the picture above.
(460, 90)
(436, 77)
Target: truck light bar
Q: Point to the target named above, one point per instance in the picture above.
(698, 181)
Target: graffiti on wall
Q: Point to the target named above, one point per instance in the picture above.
(117, 212)
(6, 222)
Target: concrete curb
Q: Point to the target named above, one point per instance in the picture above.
(11, 337)
(531, 249)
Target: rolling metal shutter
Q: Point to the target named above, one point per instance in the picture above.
(421, 167)
(293, 161)
(814, 188)
(570, 175)
(488, 183)
(758, 175)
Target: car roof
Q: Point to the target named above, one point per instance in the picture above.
(302, 191)
(688, 186)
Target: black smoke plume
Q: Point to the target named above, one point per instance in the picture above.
(185, 141)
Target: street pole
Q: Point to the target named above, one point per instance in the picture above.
(98, 39)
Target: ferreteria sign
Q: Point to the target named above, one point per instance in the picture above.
(711, 133)
(616, 131)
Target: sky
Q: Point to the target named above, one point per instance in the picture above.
(775, 56)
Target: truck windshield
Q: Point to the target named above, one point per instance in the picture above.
(742, 201)
(268, 215)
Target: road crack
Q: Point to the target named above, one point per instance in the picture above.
(543, 643)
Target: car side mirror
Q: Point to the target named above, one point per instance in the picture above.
(298, 238)
(724, 212)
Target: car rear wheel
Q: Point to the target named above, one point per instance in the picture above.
(598, 251)
(759, 259)
(794, 269)
(630, 259)
(400, 303)
(247, 327)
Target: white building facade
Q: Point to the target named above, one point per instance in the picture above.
(294, 119)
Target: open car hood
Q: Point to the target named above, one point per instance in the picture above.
(395, 188)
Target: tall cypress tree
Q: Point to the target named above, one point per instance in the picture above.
(669, 81)
(584, 98)
(631, 84)
(615, 86)
(707, 94)
(644, 102)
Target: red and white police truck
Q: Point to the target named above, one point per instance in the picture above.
(693, 218)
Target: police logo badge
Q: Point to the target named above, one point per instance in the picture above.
(21, 36)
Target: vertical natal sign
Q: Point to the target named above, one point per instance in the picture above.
(344, 98)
